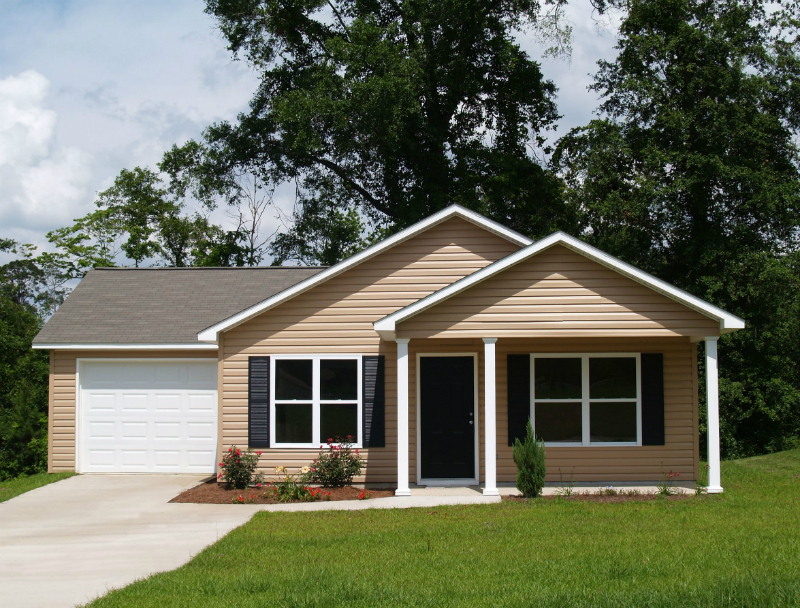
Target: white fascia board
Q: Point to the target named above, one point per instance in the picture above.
(125, 346)
(211, 334)
(727, 321)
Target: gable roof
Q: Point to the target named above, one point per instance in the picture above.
(728, 322)
(159, 307)
(211, 333)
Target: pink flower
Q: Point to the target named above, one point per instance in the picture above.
(230, 449)
(258, 485)
(356, 450)
(222, 465)
(259, 453)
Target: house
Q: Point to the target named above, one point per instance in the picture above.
(432, 348)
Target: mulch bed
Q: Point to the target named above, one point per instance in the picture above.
(605, 498)
(211, 492)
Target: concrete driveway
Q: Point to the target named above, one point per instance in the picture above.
(69, 542)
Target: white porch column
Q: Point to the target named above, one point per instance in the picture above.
(712, 403)
(402, 417)
(490, 417)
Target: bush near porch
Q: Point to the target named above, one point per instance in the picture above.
(740, 548)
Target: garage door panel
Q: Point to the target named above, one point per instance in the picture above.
(148, 417)
(201, 403)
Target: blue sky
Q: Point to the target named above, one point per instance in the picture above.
(90, 87)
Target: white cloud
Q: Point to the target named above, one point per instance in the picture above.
(41, 182)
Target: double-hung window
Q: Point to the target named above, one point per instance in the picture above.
(315, 398)
(586, 399)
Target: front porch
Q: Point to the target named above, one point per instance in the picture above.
(494, 411)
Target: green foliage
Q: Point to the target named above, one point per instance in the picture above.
(23, 371)
(238, 469)
(529, 456)
(336, 467)
(392, 111)
(691, 173)
(737, 550)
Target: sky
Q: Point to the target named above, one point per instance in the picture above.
(89, 87)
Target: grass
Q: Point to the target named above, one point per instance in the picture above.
(741, 548)
(14, 487)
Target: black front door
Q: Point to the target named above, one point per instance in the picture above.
(447, 412)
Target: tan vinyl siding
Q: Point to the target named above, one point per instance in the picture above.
(628, 463)
(62, 424)
(558, 293)
(337, 317)
(584, 463)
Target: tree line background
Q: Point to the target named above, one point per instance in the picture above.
(381, 112)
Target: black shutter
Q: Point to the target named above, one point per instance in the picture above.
(258, 402)
(519, 396)
(652, 399)
(374, 398)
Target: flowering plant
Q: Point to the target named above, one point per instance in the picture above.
(665, 487)
(363, 495)
(291, 487)
(336, 466)
(238, 469)
(244, 499)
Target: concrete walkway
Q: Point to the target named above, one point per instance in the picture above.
(72, 541)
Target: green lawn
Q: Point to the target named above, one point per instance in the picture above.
(741, 548)
(20, 485)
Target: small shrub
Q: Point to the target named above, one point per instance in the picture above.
(608, 491)
(293, 488)
(336, 467)
(529, 456)
(238, 469)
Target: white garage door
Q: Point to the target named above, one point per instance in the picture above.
(154, 416)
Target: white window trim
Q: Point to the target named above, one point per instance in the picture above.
(315, 400)
(586, 401)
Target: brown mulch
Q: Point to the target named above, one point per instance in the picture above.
(211, 492)
(605, 498)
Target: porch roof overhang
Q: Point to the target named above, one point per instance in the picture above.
(387, 326)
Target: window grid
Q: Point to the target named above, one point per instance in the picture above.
(585, 400)
(315, 401)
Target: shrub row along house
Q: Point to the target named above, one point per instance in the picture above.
(432, 348)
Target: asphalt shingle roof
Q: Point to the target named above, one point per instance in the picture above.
(161, 305)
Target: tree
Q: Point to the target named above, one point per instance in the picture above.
(23, 371)
(691, 172)
(389, 111)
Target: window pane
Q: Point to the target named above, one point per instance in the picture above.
(557, 378)
(293, 422)
(612, 378)
(611, 421)
(293, 379)
(558, 421)
(338, 420)
(338, 379)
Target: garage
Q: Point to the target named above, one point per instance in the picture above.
(147, 416)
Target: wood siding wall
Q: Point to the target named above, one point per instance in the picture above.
(558, 293)
(337, 317)
(63, 373)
